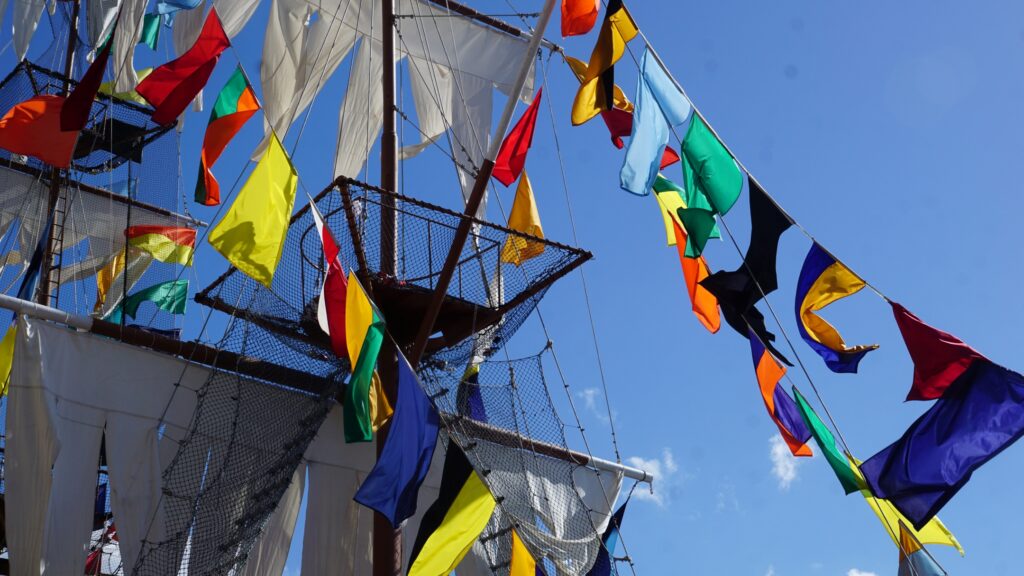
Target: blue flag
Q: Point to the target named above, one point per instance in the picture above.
(27, 290)
(979, 415)
(604, 565)
(659, 106)
(394, 483)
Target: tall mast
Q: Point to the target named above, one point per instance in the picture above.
(46, 267)
(387, 541)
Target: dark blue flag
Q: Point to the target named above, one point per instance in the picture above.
(604, 565)
(27, 290)
(979, 415)
(393, 484)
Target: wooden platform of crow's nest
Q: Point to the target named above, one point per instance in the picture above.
(485, 296)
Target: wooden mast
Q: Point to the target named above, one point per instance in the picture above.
(46, 267)
(387, 540)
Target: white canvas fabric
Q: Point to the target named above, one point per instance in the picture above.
(67, 388)
(270, 553)
(362, 112)
(99, 19)
(128, 34)
(471, 131)
(431, 86)
(26, 19)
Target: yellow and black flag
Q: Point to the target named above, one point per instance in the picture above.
(598, 83)
(454, 521)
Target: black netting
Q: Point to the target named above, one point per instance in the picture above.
(247, 437)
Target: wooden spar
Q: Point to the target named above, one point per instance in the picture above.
(482, 18)
(387, 540)
(479, 188)
(46, 267)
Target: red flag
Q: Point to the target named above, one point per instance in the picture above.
(579, 16)
(172, 86)
(32, 128)
(331, 309)
(939, 358)
(620, 124)
(75, 113)
(512, 156)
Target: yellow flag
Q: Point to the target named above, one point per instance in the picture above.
(522, 563)
(523, 218)
(251, 235)
(462, 524)
(934, 532)
(670, 203)
(7, 357)
(618, 29)
(105, 278)
(131, 95)
(380, 407)
(619, 99)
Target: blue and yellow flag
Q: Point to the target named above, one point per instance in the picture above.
(823, 280)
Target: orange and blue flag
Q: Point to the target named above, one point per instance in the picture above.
(781, 408)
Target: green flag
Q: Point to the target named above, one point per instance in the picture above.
(150, 30)
(827, 443)
(710, 167)
(692, 210)
(168, 296)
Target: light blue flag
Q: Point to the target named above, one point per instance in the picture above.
(659, 106)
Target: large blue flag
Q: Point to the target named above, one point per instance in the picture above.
(979, 415)
(659, 106)
(392, 486)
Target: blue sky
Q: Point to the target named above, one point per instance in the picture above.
(890, 131)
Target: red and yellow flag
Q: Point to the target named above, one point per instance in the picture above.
(166, 243)
(235, 104)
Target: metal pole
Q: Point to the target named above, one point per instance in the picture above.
(387, 540)
(479, 188)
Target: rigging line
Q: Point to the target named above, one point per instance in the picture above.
(323, 72)
(583, 276)
(518, 14)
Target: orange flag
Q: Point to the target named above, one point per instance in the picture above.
(579, 16)
(32, 128)
(705, 305)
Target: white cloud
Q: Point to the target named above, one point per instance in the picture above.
(770, 572)
(664, 471)
(855, 572)
(592, 399)
(783, 463)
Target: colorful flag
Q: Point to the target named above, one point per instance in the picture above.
(703, 303)
(935, 532)
(364, 334)
(170, 296)
(522, 562)
(107, 88)
(781, 407)
(454, 521)
(579, 16)
(914, 559)
(171, 244)
(74, 115)
(392, 486)
(171, 87)
(251, 235)
(330, 311)
(619, 100)
(150, 30)
(105, 277)
(512, 155)
(979, 415)
(660, 106)
(604, 566)
(32, 128)
(235, 104)
(767, 224)
(7, 357)
(827, 443)
(598, 86)
(380, 407)
(523, 218)
(737, 296)
(939, 357)
(164, 7)
(691, 212)
(710, 166)
(823, 280)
